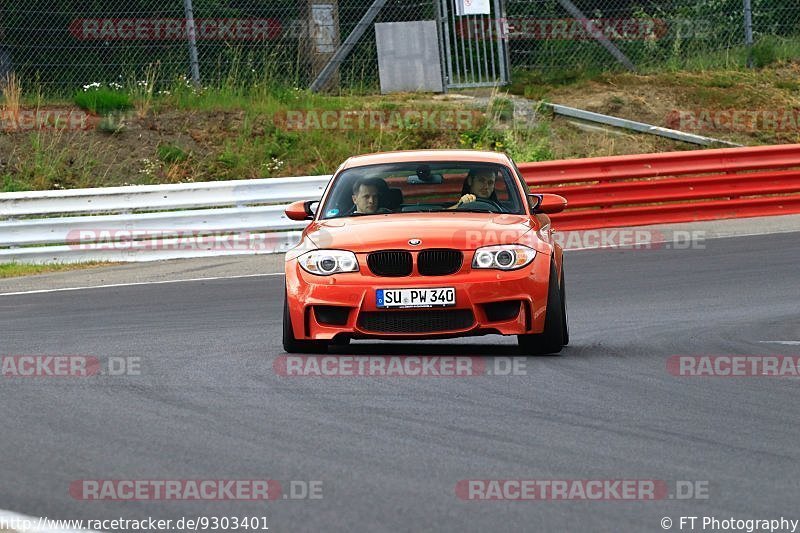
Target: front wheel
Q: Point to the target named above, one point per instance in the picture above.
(551, 340)
(563, 294)
(292, 345)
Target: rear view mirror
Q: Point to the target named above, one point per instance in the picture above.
(424, 175)
(430, 179)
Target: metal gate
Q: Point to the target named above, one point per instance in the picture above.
(473, 46)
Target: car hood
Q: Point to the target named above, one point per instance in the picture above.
(462, 231)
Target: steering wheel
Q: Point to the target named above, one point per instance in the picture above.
(481, 202)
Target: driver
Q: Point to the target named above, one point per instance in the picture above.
(478, 184)
(366, 196)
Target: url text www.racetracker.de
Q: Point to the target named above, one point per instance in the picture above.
(197, 523)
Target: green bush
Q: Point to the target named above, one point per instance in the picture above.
(10, 185)
(502, 109)
(764, 53)
(171, 154)
(102, 101)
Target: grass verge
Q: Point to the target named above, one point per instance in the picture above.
(153, 132)
(14, 270)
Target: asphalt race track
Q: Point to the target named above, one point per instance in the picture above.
(389, 451)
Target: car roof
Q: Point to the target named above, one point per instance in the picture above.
(408, 156)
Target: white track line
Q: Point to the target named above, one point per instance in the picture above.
(43, 291)
(35, 524)
(789, 343)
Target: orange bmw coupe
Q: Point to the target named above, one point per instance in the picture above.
(424, 245)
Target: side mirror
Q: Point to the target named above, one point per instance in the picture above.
(547, 203)
(301, 210)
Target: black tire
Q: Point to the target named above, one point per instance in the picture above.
(340, 341)
(563, 294)
(292, 345)
(551, 340)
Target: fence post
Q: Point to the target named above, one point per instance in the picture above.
(444, 37)
(748, 32)
(322, 17)
(347, 46)
(191, 32)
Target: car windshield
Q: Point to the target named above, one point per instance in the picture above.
(447, 187)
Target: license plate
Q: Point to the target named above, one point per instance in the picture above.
(433, 297)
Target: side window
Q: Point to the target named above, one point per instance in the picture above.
(520, 178)
(526, 189)
(341, 201)
(501, 188)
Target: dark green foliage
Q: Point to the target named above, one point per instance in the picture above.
(101, 101)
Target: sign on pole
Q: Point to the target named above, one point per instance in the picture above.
(472, 7)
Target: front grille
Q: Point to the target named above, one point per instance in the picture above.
(439, 262)
(390, 263)
(416, 321)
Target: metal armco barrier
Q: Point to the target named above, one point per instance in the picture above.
(635, 190)
(155, 222)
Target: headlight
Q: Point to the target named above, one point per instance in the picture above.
(503, 257)
(327, 262)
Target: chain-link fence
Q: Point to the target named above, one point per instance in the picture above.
(64, 44)
(645, 32)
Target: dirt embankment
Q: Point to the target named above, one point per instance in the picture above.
(168, 145)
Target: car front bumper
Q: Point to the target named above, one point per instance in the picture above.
(487, 301)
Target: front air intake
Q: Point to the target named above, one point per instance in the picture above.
(416, 321)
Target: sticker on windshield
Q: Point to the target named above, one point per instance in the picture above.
(332, 213)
